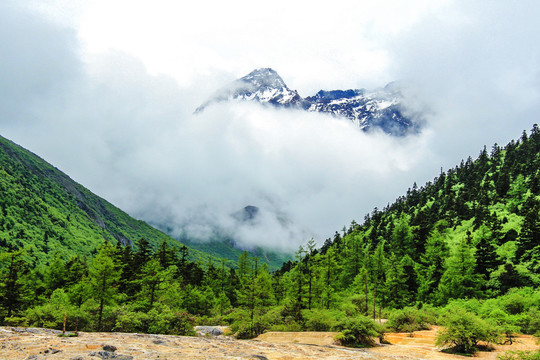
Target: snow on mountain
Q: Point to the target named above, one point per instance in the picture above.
(380, 108)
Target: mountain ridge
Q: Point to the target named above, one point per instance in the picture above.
(380, 108)
(44, 210)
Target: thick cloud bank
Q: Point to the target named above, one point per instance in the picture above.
(131, 136)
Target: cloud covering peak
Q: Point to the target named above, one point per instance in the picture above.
(118, 117)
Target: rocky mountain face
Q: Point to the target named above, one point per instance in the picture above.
(381, 108)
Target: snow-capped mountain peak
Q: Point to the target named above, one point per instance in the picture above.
(367, 109)
(262, 85)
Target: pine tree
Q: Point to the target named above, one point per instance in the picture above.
(529, 239)
(55, 274)
(433, 259)
(166, 254)
(142, 255)
(152, 279)
(395, 283)
(402, 237)
(378, 275)
(486, 257)
(410, 279)
(104, 276)
(14, 292)
(459, 280)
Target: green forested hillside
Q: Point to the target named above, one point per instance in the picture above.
(462, 251)
(45, 212)
(473, 232)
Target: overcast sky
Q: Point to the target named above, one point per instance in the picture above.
(105, 91)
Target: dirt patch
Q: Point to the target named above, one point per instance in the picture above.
(308, 338)
(417, 345)
(39, 344)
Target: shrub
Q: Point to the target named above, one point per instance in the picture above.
(410, 319)
(463, 330)
(528, 322)
(51, 314)
(244, 327)
(520, 355)
(358, 331)
(16, 321)
(517, 301)
(504, 324)
(156, 321)
(318, 320)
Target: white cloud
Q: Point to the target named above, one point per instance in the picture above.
(115, 100)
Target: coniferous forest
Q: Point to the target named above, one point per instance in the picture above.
(461, 250)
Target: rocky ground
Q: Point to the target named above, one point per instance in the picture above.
(32, 343)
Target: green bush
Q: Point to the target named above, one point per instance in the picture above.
(358, 331)
(16, 321)
(244, 327)
(51, 314)
(517, 301)
(247, 329)
(319, 320)
(156, 321)
(289, 326)
(410, 319)
(520, 355)
(463, 330)
(529, 321)
(504, 324)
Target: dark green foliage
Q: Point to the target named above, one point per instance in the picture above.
(14, 286)
(160, 320)
(358, 331)
(460, 281)
(411, 319)
(463, 330)
(520, 355)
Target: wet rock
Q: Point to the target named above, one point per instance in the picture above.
(110, 348)
(102, 354)
(209, 330)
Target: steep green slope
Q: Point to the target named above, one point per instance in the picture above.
(46, 212)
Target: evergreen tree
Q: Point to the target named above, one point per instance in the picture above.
(410, 279)
(378, 275)
(153, 277)
(104, 276)
(395, 283)
(529, 239)
(142, 254)
(459, 280)
(486, 257)
(14, 292)
(402, 237)
(55, 274)
(166, 255)
(433, 260)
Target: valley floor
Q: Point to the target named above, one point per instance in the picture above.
(37, 344)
